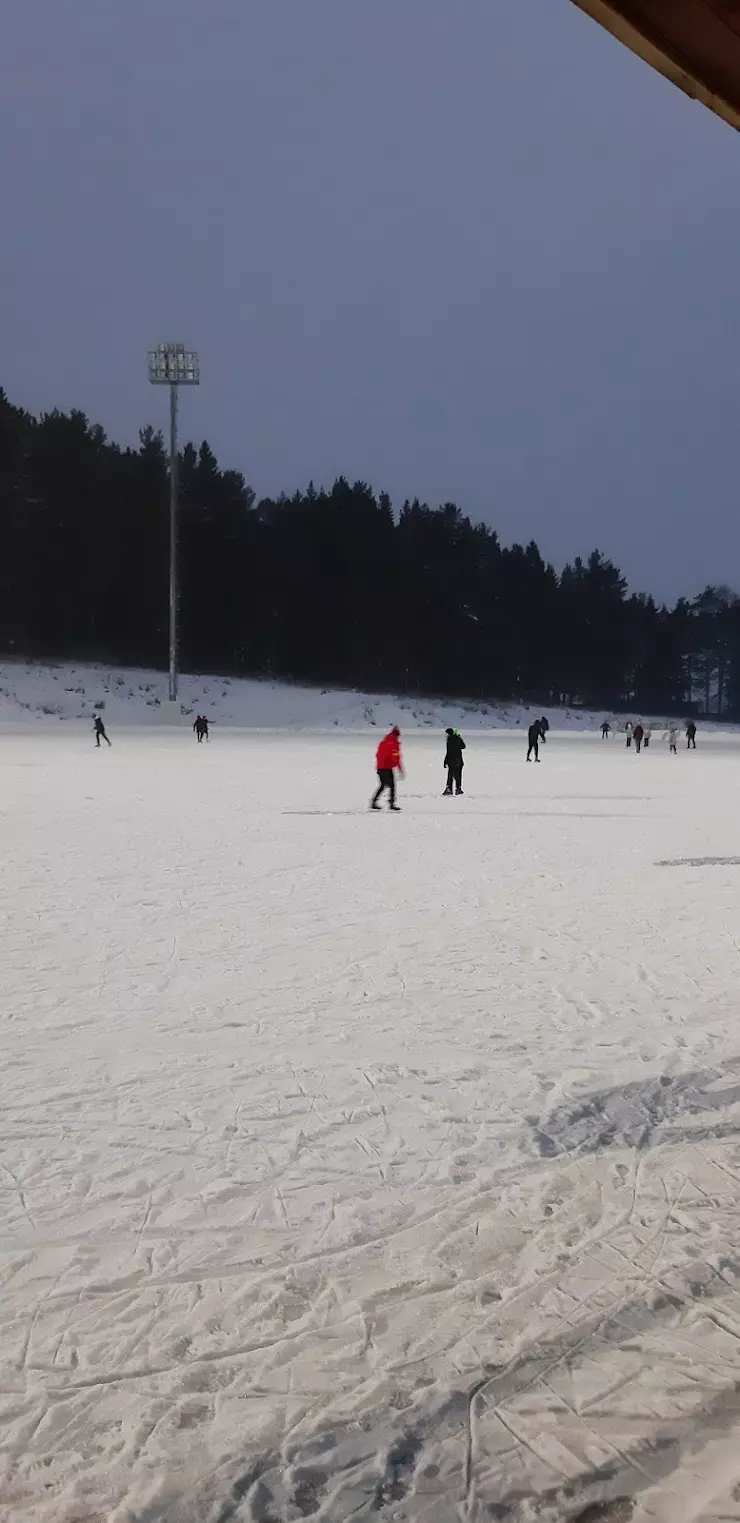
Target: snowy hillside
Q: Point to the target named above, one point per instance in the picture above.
(32, 692)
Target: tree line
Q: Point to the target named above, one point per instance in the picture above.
(326, 586)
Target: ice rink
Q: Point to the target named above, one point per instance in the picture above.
(368, 1166)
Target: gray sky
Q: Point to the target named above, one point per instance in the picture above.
(470, 251)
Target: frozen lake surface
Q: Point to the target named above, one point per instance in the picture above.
(359, 1166)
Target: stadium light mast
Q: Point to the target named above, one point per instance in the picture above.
(173, 365)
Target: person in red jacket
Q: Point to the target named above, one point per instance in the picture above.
(388, 762)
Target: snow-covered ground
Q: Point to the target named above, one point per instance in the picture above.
(359, 1166)
(31, 691)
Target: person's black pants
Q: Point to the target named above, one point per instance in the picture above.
(534, 746)
(454, 779)
(691, 744)
(386, 779)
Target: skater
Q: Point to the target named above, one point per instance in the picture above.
(204, 728)
(387, 763)
(638, 735)
(691, 736)
(544, 727)
(628, 733)
(534, 735)
(648, 733)
(606, 730)
(198, 727)
(673, 739)
(454, 761)
(99, 731)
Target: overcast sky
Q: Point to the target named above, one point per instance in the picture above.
(470, 251)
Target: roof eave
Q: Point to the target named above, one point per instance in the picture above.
(658, 54)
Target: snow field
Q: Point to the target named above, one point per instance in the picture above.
(369, 1166)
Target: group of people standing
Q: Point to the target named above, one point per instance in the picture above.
(388, 754)
(388, 763)
(200, 727)
(641, 735)
(690, 737)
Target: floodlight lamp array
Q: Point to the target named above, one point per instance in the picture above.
(173, 365)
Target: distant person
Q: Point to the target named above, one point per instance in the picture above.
(648, 734)
(638, 735)
(204, 728)
(534, 735)
(628, 733)
(198, 727)
(99, 731)
(544, 727)
(691, 736)
(388, 763)
(673, 739)
(606, 730)
(454, 762)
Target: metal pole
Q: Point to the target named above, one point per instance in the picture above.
(173, 542)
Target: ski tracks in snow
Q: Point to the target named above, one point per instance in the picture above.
(355, 1175)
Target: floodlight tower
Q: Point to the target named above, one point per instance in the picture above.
(173, 365)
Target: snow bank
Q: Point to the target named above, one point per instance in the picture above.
(31, 692)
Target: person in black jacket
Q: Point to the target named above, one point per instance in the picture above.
(534, 735)
(691, 736)
(544, 727)
(454, 761)
(99, 731)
